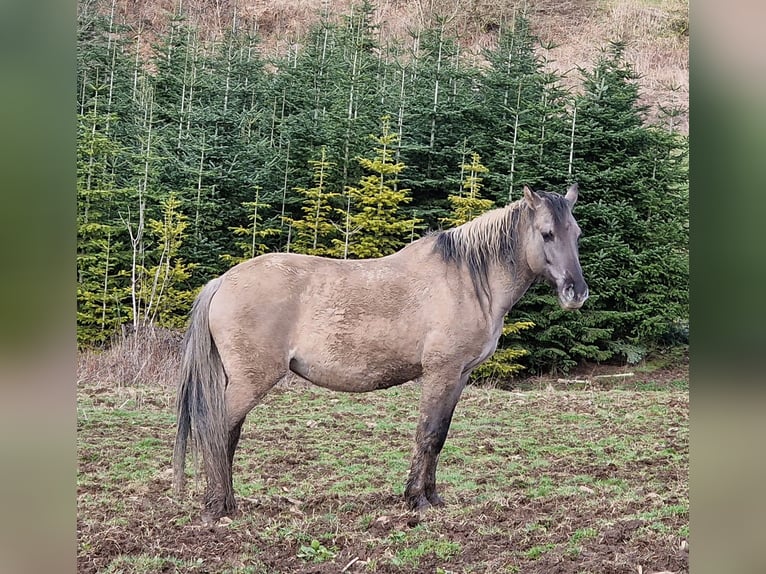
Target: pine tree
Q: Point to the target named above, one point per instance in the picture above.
(374, 226)
(522, 115)
(437, 117)
(633, 210)
(99, 248)
(637, 253)
(164, 293)
(503, 364)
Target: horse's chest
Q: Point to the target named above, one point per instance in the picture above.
(490, 346)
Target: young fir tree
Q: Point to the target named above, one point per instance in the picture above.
(636, 252)
(633, 209)
(356, 107)
(469, 204)
(524, 137)
(164, 293)
(313, 234)
(238, 154)
(100, 252)
(436, 116)
(106, 152)
(374, 225)
(252, 236)
(504, 363)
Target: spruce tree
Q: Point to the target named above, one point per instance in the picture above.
(436, 117)
(100, 251)
(637, 210)
(522, 116)
(164, 292)
(503, 364)
(633, 210)
(252, 237)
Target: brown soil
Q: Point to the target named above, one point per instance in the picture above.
(507, 531)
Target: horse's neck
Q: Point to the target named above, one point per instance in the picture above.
(508, 285)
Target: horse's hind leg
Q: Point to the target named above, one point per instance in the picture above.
(439, 396)
(219, 501)
(246, 386)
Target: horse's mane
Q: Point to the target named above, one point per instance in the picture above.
(491, 239)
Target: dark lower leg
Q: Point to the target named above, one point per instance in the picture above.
(420, 491)
(219, 495)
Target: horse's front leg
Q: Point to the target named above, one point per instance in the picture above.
(439, 396)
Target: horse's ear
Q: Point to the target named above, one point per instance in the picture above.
(571, 195)
(533, 200)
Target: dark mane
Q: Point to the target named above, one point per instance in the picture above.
(482, 242)
(491, 239)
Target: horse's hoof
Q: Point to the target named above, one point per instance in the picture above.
(208, 519)
(422, 503)
(216, 518)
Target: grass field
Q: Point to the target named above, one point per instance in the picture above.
(587, 481)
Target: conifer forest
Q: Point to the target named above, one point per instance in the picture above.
(194, 154)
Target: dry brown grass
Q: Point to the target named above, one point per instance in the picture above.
(147, 358)
(657, 45)
(655, 31)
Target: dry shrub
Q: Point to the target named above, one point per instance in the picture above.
(149, 356)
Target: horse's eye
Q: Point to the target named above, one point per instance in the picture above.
(548, 236)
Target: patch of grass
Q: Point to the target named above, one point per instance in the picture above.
(535, 527)
(316, 552)
(542, 487)
(536, 551)
(613, 486)
(411, 556)
(145, 564)
(574, 548)
(667, 511)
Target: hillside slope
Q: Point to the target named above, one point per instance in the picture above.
(656, 32)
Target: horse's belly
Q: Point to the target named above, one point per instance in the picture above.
(353, 374)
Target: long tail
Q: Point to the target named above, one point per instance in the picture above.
(200, 401)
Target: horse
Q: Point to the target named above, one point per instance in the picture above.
(431, 312)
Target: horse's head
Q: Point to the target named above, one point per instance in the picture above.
(551, 244)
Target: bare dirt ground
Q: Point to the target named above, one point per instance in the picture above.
(546, 480)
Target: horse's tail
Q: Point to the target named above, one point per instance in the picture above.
(200, 401)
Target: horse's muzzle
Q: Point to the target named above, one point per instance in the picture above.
(573, 295)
